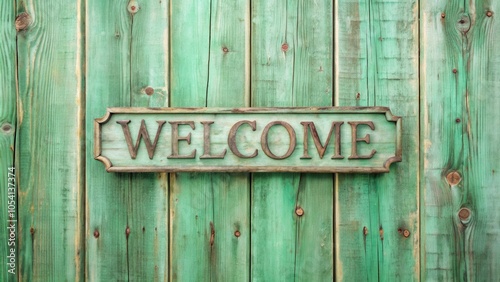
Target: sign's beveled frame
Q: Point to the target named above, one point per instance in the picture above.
(281, 110)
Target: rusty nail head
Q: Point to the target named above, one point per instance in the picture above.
(32, 230)
(284, 47)
(96, 233)
(489, 13)
(453, 178)
(299, 211)
(406, 233)
(457, 120)
(443, 15)
(132, 8)
(127, 231)
(365, 231)
(455, 71)
(149, 90)
(225, 50)
(237, 233)
(464, 214)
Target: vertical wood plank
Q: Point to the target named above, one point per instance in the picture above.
(210, 68)
(147, 208)
(377, 65)
(460, 72)
(50, 142)
(127, 65)
(7, 133)
(108, 42)
(292, 62)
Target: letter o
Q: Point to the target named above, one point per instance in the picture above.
(291, 134)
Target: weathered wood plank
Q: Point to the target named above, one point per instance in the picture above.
(210, 68)
(460, 212)
(108, 40)
(292, 66)
(147, 248)
(377, 64)
(127, 65)
(50, 141)
(7, 133)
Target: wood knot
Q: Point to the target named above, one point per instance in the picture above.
(149, 90)
(464, 215)
(284, 47)
(133, 7)
(299, 211)
(404, 232)
(453, 178)
(463, 24)
(23, 20)
(6, 128)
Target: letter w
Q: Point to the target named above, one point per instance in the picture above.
(143, 133)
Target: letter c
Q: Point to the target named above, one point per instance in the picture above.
(231, 139)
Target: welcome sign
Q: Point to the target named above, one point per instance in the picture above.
(248, 139)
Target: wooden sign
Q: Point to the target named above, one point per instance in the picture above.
(248, 140)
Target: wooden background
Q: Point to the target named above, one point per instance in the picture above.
(434, 217)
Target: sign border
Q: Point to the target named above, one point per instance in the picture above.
(309, 169)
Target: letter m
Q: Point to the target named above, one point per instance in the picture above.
(143, 133)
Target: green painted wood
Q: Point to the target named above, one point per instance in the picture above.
(7, 134)
(127, 65)
(50, 145)
(209, 67)
(377, 64)
(460, 211)
(292, 62)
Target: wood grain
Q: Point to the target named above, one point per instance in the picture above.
(50, 155)
(377, 65)
(292, 66)
(459, 200)
(7, 131)
(210, 69)
(127, 65)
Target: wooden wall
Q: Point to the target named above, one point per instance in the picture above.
(434, 217)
